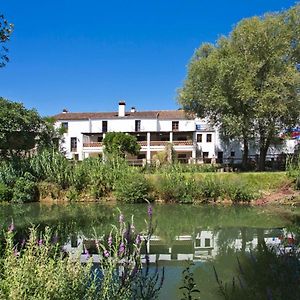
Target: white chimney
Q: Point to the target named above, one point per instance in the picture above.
(122, 106)
(133, 110)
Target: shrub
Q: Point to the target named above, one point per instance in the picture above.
(173, 186)
(52, 166)
(5, 192)
(72, 194)
(25, 189)
(211, 188)
(132, 188)
(239, 192)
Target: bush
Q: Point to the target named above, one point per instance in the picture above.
(132, 188)
(239, 192)
(211, 189)
(5, 193)
(173, 186)
(53, 167)
(25, 190)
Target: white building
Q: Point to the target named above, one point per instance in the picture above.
(193, 139)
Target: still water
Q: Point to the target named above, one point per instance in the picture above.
(207, 235)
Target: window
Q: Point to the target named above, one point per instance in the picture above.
(232, 153)
(99, 139)
(198, 127)
(205, 154)
(104, 126)
(137, 125)
(207, 242)
(199, 138)
(65, 126)
(208, 138)
(73, 144)
(175, 125)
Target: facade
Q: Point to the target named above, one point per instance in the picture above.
(193, 139)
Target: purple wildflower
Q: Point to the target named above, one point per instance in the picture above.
(138, 239)
(106, 253)
(40, 242)
(122, 248)
(23, 243)
(11, 227)
(150, 211)
(121, 218)
(110, 240)
(55, 239)
(86, 252)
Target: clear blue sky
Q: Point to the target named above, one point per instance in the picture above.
(88, 55)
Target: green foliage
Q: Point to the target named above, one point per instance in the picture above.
(293, 169)
(5, 193)
(239, 192)
(189, 287)
(132, 188)
(173, 186)
(211, 188)
(38, 271)
(247, 83)
(119, 144)
(52, 166)
(264, 275)
(5, 33)
(19, 127)
(13, 168)
(25, 189)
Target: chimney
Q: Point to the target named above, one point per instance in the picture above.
(133, 110)
(65, 111)
(122, 105)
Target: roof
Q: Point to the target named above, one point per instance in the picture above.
(152, 114)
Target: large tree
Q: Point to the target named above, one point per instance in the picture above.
(5, 33)
(119, 144)
(22, 129)
(247, 83)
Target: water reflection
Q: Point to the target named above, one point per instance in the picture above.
(210, 236)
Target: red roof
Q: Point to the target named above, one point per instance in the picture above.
(153, 114)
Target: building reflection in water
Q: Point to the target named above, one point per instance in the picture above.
(203, 245)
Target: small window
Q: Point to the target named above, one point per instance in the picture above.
(104, 126)
(65, 126)
(175, 125)
(232, 153)
(198, 127)
(205, 154)
(73, 144)
(99, 139)
(208, 138)
(207, 242)
(199, 138)
(137, 125)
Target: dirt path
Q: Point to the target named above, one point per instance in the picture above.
(285, 195)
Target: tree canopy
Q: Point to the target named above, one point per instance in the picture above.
(5, 33)
(248, 83)
(22, 129)
(120, 144)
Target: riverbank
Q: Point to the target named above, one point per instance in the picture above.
(50, 176)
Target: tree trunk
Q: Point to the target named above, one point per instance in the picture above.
(263, 149)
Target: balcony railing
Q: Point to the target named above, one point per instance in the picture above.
(93, 144)
(144, 143)
(183, 143)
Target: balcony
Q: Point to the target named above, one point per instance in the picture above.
(92, 145)
(164, 143)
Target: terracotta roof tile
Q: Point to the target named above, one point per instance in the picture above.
(153, 114)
